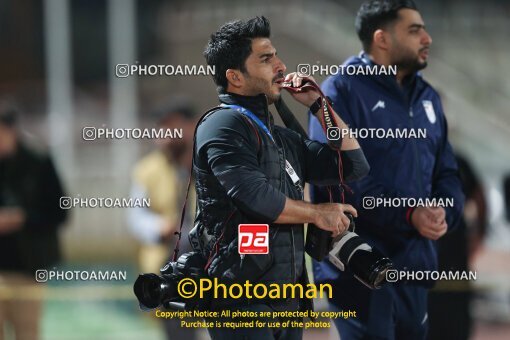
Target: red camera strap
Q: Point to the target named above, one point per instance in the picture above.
(327, 120)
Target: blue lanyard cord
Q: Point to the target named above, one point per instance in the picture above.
(250, 114)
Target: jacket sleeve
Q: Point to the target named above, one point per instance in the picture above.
(446, 182)
(322, 168)
(227, 144)
(381, 218)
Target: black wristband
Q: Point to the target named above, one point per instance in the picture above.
(315, 107)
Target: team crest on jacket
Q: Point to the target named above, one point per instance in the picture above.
(429, 110)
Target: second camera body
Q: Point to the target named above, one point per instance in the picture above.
(348, 250)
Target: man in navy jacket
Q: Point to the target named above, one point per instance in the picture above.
(392, 33)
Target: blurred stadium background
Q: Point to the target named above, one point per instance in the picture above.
(57, 61)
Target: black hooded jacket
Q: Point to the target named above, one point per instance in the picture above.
(241, 178)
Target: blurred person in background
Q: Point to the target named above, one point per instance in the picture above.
(162, 176)
(393, 33)
(30, 192)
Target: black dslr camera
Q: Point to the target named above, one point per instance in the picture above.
(153, 291)
(349, 250)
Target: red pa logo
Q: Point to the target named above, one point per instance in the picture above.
(253, 239)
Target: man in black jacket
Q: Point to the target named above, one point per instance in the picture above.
(30, 215)
(249, 170)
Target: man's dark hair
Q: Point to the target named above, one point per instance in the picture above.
(230, 46)
(377, 14)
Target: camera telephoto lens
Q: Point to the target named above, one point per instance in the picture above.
(349, 251)
(367, 264)
(153, 290)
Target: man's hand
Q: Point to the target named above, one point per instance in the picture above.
(331, 217)
(11, 220)
(326, 216)
(308, 97)
(430, 222)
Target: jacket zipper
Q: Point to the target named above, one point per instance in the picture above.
(416, 155)
(284, 181)
(269, 122)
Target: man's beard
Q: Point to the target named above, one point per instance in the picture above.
(260, 85)
(409, 62)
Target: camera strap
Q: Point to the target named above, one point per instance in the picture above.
(184, 205)
(326, 118)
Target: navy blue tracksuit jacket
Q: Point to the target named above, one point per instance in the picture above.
(410, 168)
